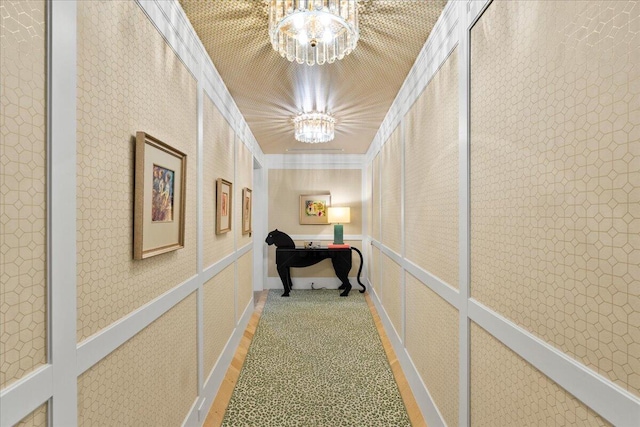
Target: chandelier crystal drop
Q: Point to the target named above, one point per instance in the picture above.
(313, 31)
(314, 127)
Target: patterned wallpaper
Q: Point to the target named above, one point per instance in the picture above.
(219, 315)
(555, 167)
(507, 391)
(150, 380)
(391, 287)
(245, 179)
(37, 418)
(390, 163)
(129, 80)
(245, 282)
(23, 189)
(218, 163)
(431, 187)
(432, 343)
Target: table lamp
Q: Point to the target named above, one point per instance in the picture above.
(338, 216)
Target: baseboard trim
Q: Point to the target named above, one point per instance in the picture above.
(202, 405)
(304, 283)
(420, 392)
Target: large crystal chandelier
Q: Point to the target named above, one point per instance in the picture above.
(313, 31)
(314, 127)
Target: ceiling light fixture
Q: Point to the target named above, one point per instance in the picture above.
(314, 127)
(313, 31)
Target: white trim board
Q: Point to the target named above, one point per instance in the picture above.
(172, 23)
(607, 399)
(441, 41)
(304, 283)
(26, 395)
(202, 404)
(98, 346)
(61, 215)
(314, 161)
(420, 392)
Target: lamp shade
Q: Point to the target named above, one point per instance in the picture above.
(338, 215)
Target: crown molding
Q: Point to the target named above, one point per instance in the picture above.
(314, 161)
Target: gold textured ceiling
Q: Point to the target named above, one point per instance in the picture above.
(270, 91)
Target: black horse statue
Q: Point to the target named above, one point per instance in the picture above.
(287, 256)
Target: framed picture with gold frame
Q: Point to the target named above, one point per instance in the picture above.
(313, 208)
(224, 205)
(159, 206)
(246, 210)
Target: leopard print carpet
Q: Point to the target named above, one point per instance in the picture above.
(316, 360)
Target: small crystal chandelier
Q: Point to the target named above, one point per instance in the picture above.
(314, 127)
(313, 31)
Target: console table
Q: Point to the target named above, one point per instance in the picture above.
(302, 257)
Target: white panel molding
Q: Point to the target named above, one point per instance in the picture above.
(464, 219)
(200, 231)
(314, 161)
(434, 283)
(396, 257)
(171, 21)
(98, 346)
(259, 223)
(609, 400)
(418, 388)
(441, 42)
(437, 285)
(177, 36)
(475, 9)
(201, 407)
(61, 222)
(26, 395)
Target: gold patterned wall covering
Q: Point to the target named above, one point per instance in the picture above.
(375, 198)
(390, 164)
(432, 342)
(245, 282)
(218, 163)
(431, 175)
(151, 380)
(23, 189)
(507, 391)
(245, 179)
(555, 167)
(219, 315)
(391, 288)
(129, 80)
(37, 418)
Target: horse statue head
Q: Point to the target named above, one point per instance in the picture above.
(280, 239)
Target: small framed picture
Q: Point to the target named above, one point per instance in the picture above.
(224, 200)
(160, 183)
(313, 208)
(246, 210)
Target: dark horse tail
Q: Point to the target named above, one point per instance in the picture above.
(360, 269)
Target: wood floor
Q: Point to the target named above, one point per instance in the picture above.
(219, 406)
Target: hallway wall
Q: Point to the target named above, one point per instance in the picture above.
(147, 341)
(508, 240)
